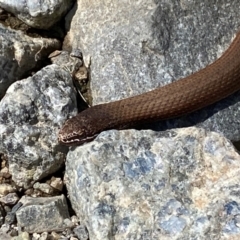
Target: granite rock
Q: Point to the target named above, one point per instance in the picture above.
(178, 184)
(31, 114)
(148, 44)
(81, 232)
(42, 214)
(9, 199)
(19, 54)
(38, 14)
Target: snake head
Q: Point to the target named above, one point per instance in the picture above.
(77, 130)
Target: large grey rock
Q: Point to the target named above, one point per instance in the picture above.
(42, 214)
(179, 184)
(19, 54)
(38, 14)
(136, 48)
(31, 114)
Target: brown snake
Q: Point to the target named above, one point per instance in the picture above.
(209, 85)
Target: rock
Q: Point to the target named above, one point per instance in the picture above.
(73, 63)
(38, 14)
(75, 219)
(4, 172)
(56, 183)
(44, 236)
(5, 236)
(2, 216)
(143, 46)
(36, 236)
(73, 238)
(44, 187)
(9, 199)
(66, 61)
(81, 232)
(32, 112)
(55, 236)
(11, 215)
(178, 184)
(22, 236)
(6, 188)
(19, 54)
(42, 214)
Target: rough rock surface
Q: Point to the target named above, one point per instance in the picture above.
(38, 14)
(148, 44)
(179, 184)
(81, 232)
(42, 214)
(31, 114)
(19, 54)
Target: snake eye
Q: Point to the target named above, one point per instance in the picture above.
(78, 130)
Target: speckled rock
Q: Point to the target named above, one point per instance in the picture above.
(178, 184)
(81, 232)
(42, 214)
(66, 61)
(38, 14)
(31, 114)
(19, 54)
(9, 199)
(148, 44)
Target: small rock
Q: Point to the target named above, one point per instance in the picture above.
(22, 236)
(55, 236)
(68, 223)
(44, 236)
(42, 214)
(81, 232)
(10, 199)
(73, 238)
(66, 61)
(43, 187)
(5, 173)
(5, 236)
(11, 215)
(13, 232)
(75, 219)
(5, 228)
(56, 183)
(29, 192)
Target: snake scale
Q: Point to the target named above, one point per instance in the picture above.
(211, 84)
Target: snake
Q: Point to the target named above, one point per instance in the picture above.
(214, 82)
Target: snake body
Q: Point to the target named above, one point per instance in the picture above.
(211, 84)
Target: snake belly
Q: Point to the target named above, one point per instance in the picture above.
(209, 85)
